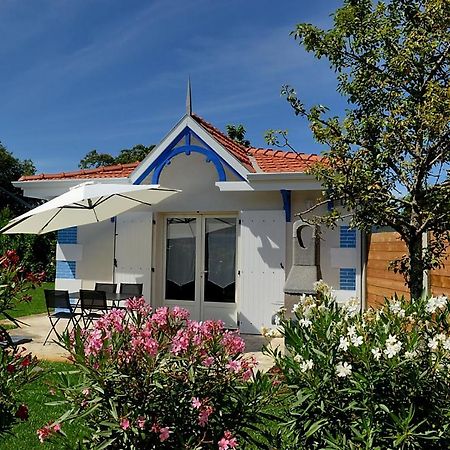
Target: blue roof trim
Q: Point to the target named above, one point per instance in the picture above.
(157, 161)
(286, 194)
(170, 152)
(188, 149)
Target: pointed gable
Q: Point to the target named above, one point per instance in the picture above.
(193, 130)
(239, 151)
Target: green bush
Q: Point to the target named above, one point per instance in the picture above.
(156, 380)
(16, 367)
(372, 380)
(36, 252)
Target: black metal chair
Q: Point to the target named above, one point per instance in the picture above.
(93, 305)
(106, 287)
(8, 341)
(57, 299)
(133, 289)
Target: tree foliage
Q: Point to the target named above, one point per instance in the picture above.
(237, 133)
(387, 159)
(11, 169)
(37, 253)
(93, 159)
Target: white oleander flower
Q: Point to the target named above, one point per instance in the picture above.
(296, 307)
(305, 323)
(343, 369)
(306, 365)
(433, 344)
(393, 346)
(441, 337)
(435, 303)
(344, 344)
(352, 307)
(376, 352)
(298, 358)
(273, 333)
(357, 340)
(446, 344)
(308, 311)
(411, 355)
(351, 331)
(396, 308)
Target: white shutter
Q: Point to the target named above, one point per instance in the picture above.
(134, 250)
(262, 243)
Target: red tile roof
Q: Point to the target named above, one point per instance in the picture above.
(116, 171)
(270, 161)
(237, 150)
(253, 159)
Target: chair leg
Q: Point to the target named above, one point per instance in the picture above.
(53, 328)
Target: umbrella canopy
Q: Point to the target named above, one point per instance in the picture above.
(84, 204)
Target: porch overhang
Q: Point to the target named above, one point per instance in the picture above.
(295, 181)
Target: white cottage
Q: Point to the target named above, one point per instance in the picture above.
(222, 247)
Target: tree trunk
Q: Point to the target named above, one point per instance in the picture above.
(416, 267)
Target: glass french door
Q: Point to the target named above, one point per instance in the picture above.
(200, 266)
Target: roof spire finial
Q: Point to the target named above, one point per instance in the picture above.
(189, 98)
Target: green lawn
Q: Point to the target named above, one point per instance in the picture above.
(36, 306)
(35, 396)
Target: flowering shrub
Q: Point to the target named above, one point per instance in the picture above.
(16, 371)
(16, 368)
(372, 380)
(157, 380)
(15, 282)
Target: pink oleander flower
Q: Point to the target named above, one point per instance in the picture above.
(46, 431)
(94, 343)
(124, 423)
(164, 434)
(111, 321)
(139, 305)
(208, 361)
(234, 366)
(180, 342)
(180, 313)
(160, 316)
(204, 414)
(227, 442)
(233, 343)
(196, 403)
(140, 422)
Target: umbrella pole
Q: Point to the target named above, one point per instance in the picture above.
(114, 251)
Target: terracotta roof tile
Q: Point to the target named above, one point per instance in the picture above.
(116, 171)
(254, 159)
(271, 161)
(239, 151)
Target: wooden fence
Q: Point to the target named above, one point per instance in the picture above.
(381, 282)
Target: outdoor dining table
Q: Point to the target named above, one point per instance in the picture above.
(114, 299)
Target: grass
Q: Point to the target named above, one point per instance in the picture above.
(36, 305)
(36, 396)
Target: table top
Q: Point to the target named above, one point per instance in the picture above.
(114, 296)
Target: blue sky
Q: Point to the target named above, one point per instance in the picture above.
(107, 74)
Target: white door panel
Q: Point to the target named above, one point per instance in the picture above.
(262, 243)
(134, 250)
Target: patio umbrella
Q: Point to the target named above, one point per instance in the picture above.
(86, 203)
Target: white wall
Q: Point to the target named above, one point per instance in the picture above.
(196, 179)
(97, 264)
